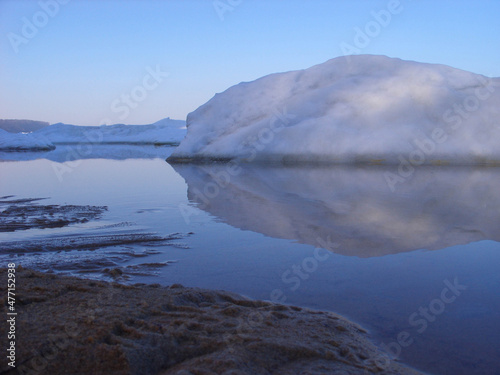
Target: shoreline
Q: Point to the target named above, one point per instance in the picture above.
(69, 325)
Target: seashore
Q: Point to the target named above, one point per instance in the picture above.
(68, 325)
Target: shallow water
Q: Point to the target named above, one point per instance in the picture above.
(419, 263)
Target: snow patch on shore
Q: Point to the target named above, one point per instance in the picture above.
(23, 142)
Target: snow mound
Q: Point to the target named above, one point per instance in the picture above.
(23, 142)
(164, 132)
(352, 109)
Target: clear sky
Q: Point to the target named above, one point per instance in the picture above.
(89, 62)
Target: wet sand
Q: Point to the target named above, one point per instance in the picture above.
(67, 325)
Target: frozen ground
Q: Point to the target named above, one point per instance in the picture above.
(23, 142)
(164, 132)
(363, 108)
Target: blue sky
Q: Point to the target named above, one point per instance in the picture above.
(135, 62)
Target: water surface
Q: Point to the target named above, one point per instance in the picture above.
(261, 231)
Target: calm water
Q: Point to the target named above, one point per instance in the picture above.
(419, 264)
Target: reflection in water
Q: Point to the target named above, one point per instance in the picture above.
(74, 152)
(437, 207)
(354, 206)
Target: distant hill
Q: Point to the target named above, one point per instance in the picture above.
(163, 132)
(166, 132)
(18, 126)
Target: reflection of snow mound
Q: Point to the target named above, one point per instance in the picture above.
(23, 142)
(352, 206)
(356, 109)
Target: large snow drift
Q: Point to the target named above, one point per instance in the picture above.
(23, 142)
(166, 132)
(352, 109)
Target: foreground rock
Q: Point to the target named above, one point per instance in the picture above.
(356, 109)
(74, 326)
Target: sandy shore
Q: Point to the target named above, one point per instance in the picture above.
(67, 325)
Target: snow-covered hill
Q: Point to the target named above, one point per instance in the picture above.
(23, 142)
(165, 131)
(361, 108)
(20, 126)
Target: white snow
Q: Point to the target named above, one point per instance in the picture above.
(23, 142)
(361, 108)
(166, 131)
(163, 132)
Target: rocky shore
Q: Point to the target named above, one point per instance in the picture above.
(67, 325)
